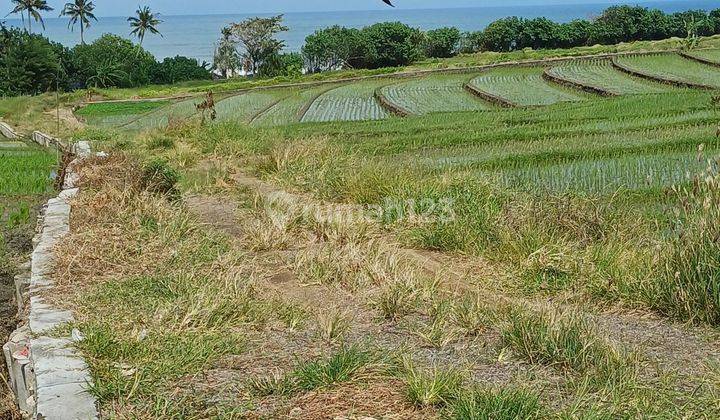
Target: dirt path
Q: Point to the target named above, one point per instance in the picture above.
(672, 346)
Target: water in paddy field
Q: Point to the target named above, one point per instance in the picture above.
(195, 36)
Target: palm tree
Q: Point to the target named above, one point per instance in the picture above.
(33, 9)
(82, 11)
(145, 21)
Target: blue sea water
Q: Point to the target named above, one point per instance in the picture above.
(195, 36)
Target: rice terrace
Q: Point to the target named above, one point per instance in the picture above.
(391, 223)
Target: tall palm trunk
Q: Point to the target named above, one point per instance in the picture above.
(29, 22)
(82, 30)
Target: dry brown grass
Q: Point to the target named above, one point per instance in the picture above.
(374, 399)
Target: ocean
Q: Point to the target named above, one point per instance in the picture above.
(195, 36)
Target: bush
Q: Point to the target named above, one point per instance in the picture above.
(282, 65)
(503, 35)
(112, 61)
(334, 48)
(159, 178)
(442, 43)
(471, 42)
(179, 69)
(29, 63)
(392, 44)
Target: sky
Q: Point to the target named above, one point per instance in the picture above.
(195, 7)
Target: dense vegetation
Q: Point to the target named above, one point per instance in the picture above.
(32, 64)
(338, 47)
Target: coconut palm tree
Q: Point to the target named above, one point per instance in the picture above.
(33, 9)
(145, 21)
(79, 11)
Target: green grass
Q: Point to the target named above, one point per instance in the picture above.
(672, 67)
(26, 171)
(350, 102)
(435, 93)
(601, 74)
(524, 86)
(481, 403)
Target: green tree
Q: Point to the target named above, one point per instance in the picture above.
(33, 9)
(179, 69)
(29, 63)
(282, 65)
(255, 38)
(539, 33)
(334, 48)
(80, 11)
(574, 33)
(116, 59)
(226, 59)
(503, 34)
(471, 42)
(392, 44)
(442, 43)
(145, 21)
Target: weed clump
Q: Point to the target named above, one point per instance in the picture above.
(160, 178)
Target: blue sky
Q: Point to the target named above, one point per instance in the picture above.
(180, 7)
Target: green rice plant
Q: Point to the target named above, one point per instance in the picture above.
(343, 366)
(434, 93)
(289, 109)
(164, 116)
(568, 341)
(673, 68)
(397, 299)
(471, 315)
(351, 102)
(113, 114)
(246, 106)
(708, 55)
(644, 172)
(524, 86)
(480, 403)
(26, 171)
(434, 387)
(601, 74)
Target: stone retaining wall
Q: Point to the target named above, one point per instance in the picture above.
(47, 375)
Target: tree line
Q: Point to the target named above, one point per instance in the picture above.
(31, 63)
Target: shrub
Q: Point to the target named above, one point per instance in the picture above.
(282, 65)
(29, 63)
(442, 43)
(179, 69)
(158, 177)
(334, 48)
(503, 34)
(471, 42)
(112, 61)
(392, 44)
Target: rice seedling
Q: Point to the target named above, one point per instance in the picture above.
(26, 172)
(246, 106)
(601, 74)
(524, 86)
(290, 109)
(333, 325)
(673, 68)
(114, 114)
(435, 93)
(163, 117)
(352, 102)
(709, 55)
